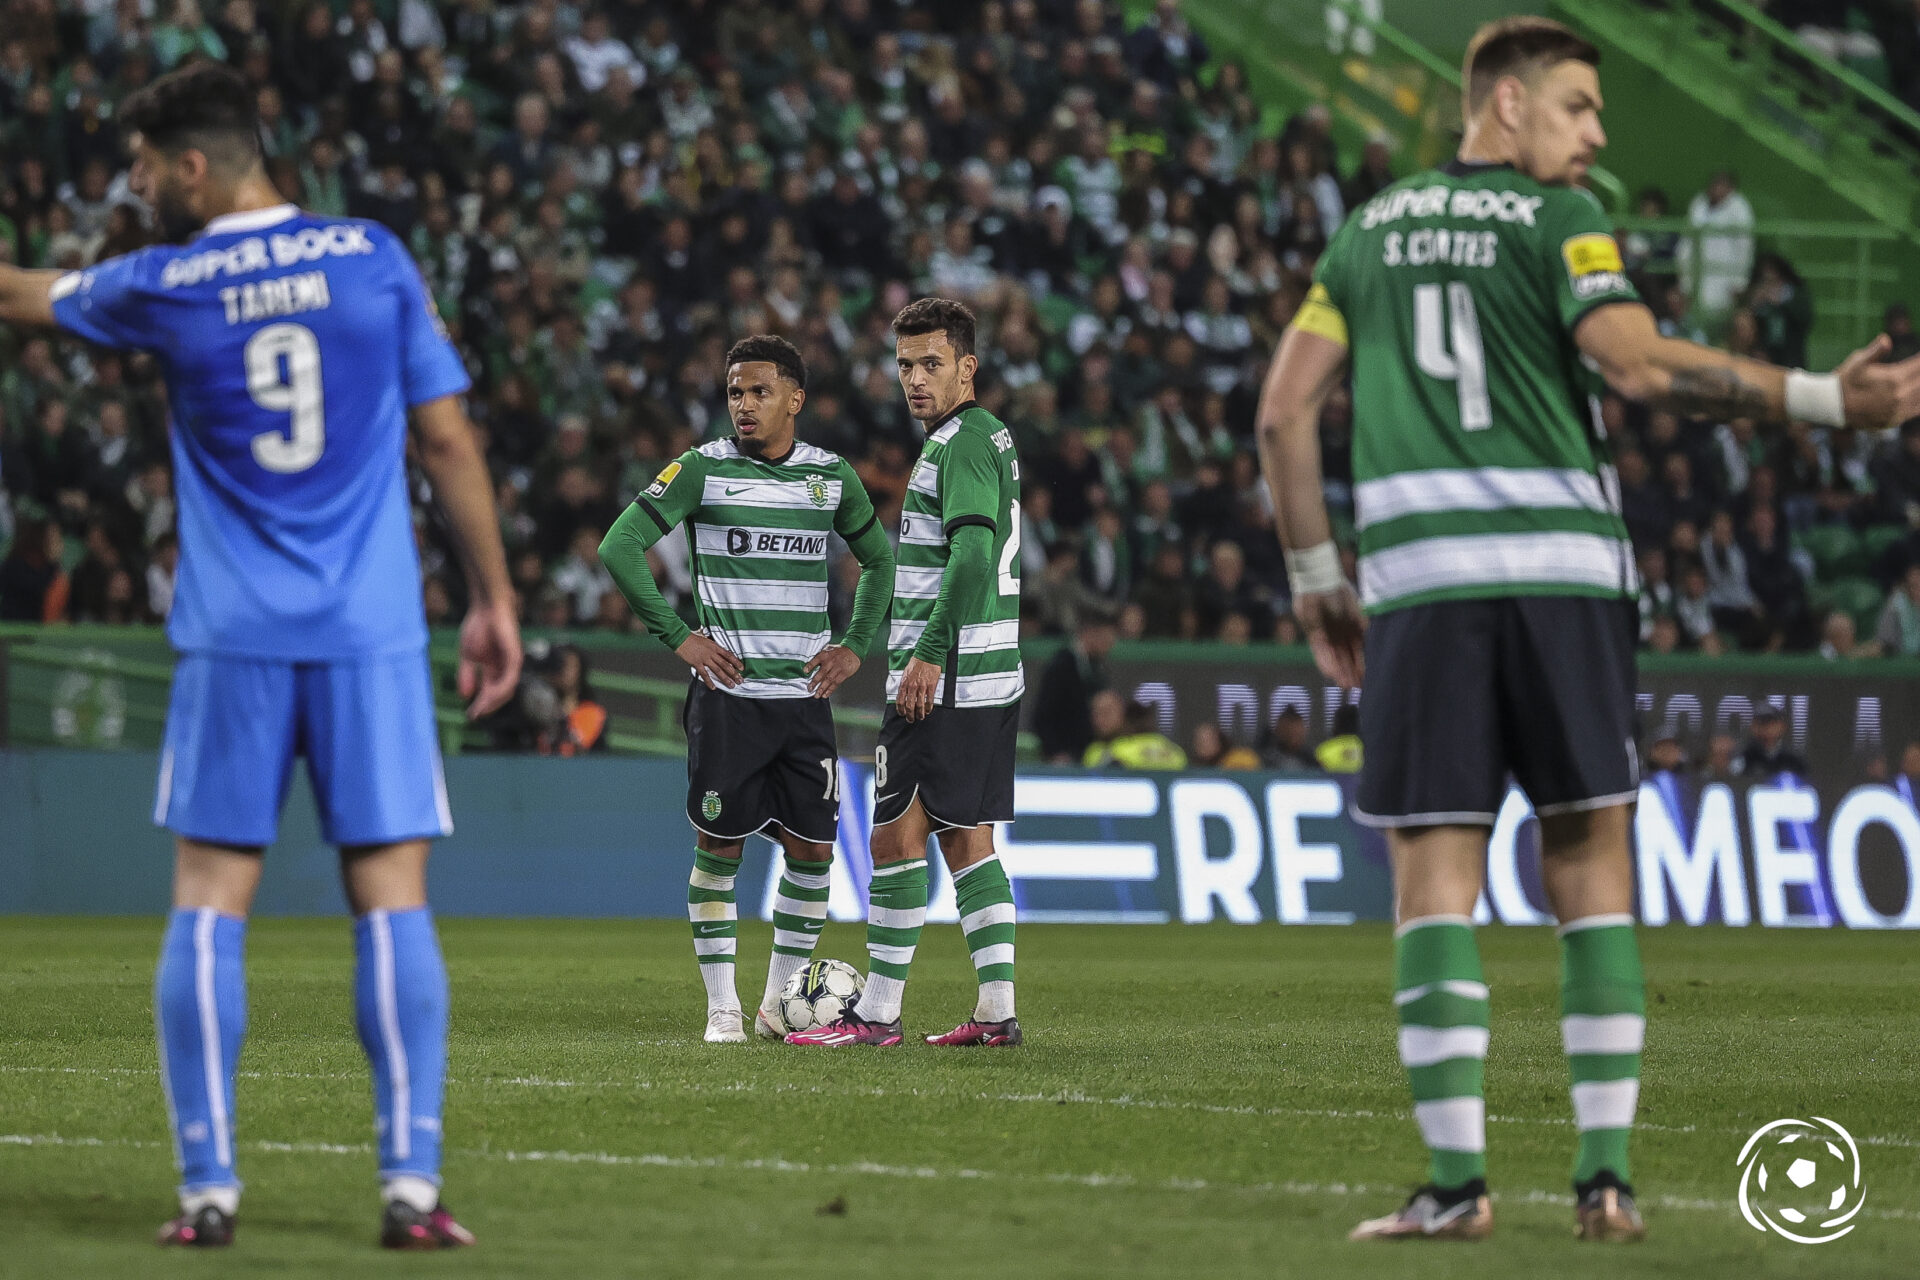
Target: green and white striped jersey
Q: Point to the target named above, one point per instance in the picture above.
(757, 531)
(968, 474)
(1480, 466)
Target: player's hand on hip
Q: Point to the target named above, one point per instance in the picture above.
(1879, 395)
(1336, 632)
(489, 658)
(830, 668)
(918, 686)
(717, 666)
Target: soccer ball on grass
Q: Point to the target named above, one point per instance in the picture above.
(819, 994)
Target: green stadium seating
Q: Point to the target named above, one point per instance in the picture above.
(1876, 540)
(1836, 550)
(1861, 597)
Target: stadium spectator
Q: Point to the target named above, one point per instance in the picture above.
(1341, 752)
(1666, 757)
(1898, 633)
(1767, 755)
(1839, 639)
(1212, 749)
(578, 724)
(1722, 760)
(33, 586)
(1285, 745)
(1068, 684)
(1138, 743)
(1716, 263)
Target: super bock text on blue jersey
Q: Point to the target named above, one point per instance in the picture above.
(293, 347)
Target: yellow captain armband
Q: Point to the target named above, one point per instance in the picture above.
(1317, 315)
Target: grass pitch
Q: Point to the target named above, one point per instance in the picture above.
(1214, 1101)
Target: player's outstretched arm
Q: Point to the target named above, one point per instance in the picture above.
(490, 636)
(1641, 364)
(1304, 372)
(26, 297)
(624, 552)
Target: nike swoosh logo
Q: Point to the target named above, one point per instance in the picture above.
(890, 795)
(731, 493)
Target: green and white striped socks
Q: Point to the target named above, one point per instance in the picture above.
(896, 911)
(1443, 1005)
(716, 926)
(1603, 1023)
(799, 913)
(985, 899)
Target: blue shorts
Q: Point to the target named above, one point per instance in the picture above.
(366, 728)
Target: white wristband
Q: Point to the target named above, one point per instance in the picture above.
(1314, 571)
(1816, 397)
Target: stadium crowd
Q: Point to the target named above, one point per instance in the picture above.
(603, 195)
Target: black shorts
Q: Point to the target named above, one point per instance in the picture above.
(1460, 694)
(753, 763)
(959, 761)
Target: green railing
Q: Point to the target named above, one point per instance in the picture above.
(1848, 132)
(1850, 268)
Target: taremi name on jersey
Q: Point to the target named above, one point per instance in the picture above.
(960, 759)
(1494, 563)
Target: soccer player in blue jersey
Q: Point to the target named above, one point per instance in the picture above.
(295, 348)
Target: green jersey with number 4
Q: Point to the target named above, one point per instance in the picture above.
(1479, 463)
(968, 474)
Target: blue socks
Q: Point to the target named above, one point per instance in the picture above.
(400, 1005)
(200, 1010)
(400, 1001)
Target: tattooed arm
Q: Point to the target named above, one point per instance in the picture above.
(1641, 365)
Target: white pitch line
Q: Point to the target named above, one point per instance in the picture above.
(1123, 1102)
(923, 1173)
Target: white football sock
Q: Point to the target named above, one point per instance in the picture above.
(411, 1189)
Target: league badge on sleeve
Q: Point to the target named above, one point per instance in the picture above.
(1593, 264)
(658, 489)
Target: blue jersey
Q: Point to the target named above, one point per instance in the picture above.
(293, 346)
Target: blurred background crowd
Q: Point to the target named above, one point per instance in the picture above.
(603, 195)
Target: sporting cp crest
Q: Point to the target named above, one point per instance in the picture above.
(710, 806)
(817, 492)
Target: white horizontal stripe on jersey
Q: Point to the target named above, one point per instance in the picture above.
(753, 491)
(993, 689)
(750, 542)
(760, 593)
(984, 637)
(1495, 559)
(797, 646)
(946, 433)
(764, 687)
(917, 584)
(1475, 489)
(922, 531)
(904, 635)
(925, 478)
